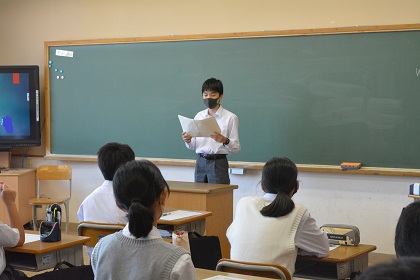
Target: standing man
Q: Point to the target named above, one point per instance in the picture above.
(212, 164)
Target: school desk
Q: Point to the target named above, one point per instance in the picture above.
(339, 264)
(195, 222)
(216, 198)
(415, 197)
(38, 255)
(22, 181)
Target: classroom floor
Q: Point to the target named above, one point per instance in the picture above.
(374, 258)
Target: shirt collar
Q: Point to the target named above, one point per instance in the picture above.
(218, 113)
(153, 234)
(269, 197)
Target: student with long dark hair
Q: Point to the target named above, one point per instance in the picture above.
(138, 251)
(405, 268)
(407, 232)
(272, 229)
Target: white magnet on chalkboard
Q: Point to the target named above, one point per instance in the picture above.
(58, 77)
(62, 77)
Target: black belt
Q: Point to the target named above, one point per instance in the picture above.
(212, 157)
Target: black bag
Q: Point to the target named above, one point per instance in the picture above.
(205, 250)
(11, 273)
(67, 271)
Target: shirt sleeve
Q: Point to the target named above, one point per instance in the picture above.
(80, 215)
(234, 145)
(183, 269)
(9, 236)
(310, 239)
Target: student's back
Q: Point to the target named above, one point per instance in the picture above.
(99, 206)
(138, 251)
(270, 229)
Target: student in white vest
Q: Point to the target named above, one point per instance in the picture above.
(273, 229)
(138, 251)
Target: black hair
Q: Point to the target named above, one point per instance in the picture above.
(407, 232)
(279, 176)
(137, 186)
(213, 85)
(406, 268)
(111, 156)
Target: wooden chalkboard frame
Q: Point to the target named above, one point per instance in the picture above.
(236, 164)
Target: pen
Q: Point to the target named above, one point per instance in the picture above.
(166, 214)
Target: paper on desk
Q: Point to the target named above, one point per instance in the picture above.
(178, 214)
(199, 128)
(29, 237)
(333, 246)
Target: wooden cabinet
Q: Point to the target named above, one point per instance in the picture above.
(23, 182)
(215, 198)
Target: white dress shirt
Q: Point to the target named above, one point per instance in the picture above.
(100, 207)
(183, 268)
(9, 237)
(228, 123)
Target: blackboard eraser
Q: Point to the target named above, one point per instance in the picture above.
(350, 165)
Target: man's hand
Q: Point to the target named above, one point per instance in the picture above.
(216, 136)
(186, 137)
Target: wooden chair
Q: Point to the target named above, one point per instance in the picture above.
(62, 174)
(255, 269)
(96, 231)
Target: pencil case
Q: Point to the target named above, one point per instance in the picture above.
(50, 231)
(340, 234)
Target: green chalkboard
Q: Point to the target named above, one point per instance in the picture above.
(319, 99)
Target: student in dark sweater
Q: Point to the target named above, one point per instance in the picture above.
(138, 251)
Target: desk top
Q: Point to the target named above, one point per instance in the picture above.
(16, 171)
(193, 187)
(186, 220)
(343, 253)
(39, 247)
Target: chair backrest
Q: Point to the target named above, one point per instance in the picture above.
(256, 269)
(53, 172)
(96, 231)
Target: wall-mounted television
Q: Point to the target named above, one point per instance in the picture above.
(19, 107)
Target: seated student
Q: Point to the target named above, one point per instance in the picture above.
(405, 268)
(100, 205)
(271, 229)
(10, 236)
(407, 232)
(138, 251)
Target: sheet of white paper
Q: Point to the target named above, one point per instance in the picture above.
(199, 128)
(178, 214)
(29, 237)
(333, 246)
